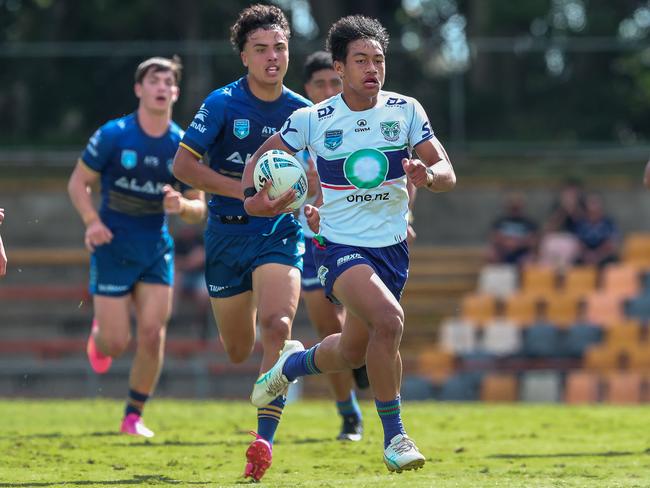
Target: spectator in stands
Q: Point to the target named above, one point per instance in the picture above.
(513, 237)
(189, 277)
(559, 245)
(646, 175)
(3, 255)
(568, 209)
(598, 235)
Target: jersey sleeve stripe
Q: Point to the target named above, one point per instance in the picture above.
(427, 138)
(88, 167)
(182, 144)
(288, 145)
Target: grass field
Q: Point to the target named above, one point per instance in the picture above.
(201, 444)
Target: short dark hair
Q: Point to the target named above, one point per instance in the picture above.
(351, 28)
(158, 64)
(316, 62)
(257, 17)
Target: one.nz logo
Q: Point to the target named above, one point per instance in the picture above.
(333, 139)
(129, 158)
(241, 128)
(390, 130)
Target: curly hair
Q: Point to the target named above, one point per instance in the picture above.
(351, 28)
(257, 17)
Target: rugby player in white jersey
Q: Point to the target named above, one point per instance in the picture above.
(366, 143)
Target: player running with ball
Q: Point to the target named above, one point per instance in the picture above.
(362, 141)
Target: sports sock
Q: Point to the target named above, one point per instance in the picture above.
(349, 409)
(135, 403)
(391, 419)
(268, 418)
(301, 364)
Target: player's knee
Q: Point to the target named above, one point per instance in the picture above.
(389, 327)
(355, 357)
(115, 346)
(152, 339)
(238, 353)
(275, 327)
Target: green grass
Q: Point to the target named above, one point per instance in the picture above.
(201, 444)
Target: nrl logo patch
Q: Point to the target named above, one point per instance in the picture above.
(129, 159)
(390, 130)
(241, 128)
(333, 139)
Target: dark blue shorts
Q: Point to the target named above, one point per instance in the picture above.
(231, 259)
(310, 281)
(390, 263)
(116, 267)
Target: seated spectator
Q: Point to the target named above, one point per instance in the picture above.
(513, 237)
(189, 273)
(567, 210)
(597, 234)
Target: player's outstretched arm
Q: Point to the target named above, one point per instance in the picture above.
(189, 206)
(188, 169)
(259, 204)
(433, 170)
(79, 188)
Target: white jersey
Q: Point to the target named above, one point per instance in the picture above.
(359, 160)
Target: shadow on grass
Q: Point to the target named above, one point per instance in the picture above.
(567, 455)
(58, 435)
(136, 480)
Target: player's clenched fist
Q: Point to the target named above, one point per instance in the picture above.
(313, 218)
(173, 201)
(416, 171)
(97, 234)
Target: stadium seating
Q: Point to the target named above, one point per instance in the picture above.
(621, 279)
(457, 336)
(542, 340)
(478, 308)
(500, 337)
(636, 249)
(499, 387)
(461, 387)
(582, 387)
(604, 309)
(435, 364)
(521, 308)
(623, 388)
(538, 280)
(499, 280)
(540, 386)
(580, 281)
(561, 309)
(580, 337)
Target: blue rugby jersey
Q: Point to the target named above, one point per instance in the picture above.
(134, 167)
(228, 128)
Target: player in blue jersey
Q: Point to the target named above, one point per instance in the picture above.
(132, 259)
(322, 82)
(253, 264)
(364, 142)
